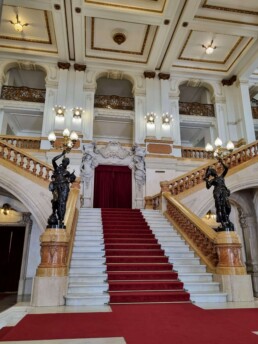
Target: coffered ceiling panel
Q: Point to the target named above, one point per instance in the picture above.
(101, 42)
(37, 30)
(151, 35)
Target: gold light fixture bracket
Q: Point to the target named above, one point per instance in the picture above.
(18, 26)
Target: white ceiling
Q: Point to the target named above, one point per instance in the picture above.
(161, 35)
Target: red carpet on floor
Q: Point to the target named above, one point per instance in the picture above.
(138, 270)
(144, 324)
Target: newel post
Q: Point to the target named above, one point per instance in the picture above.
(230, 270)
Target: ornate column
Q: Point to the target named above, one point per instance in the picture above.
(89, 88)
(165, 130)
(78, 96)
(221, 118)
(88, 164)
(249, 225)
(245, 109)
(151, 104)
(139, 175)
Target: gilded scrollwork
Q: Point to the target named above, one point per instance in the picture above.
(114, 102)
(196, 109)
(26, 94)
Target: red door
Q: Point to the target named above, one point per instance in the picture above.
(112, 187)
(11, 248)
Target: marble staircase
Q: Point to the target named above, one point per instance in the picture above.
(192, 273)
(87, 276)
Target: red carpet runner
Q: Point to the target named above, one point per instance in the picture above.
(138, 270)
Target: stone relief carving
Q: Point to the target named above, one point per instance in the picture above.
(113, 150)
(88, 163)
(139, 165)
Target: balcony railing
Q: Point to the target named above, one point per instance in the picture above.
(22, 141)
(196, 109)
(114, 102)
(24, 94)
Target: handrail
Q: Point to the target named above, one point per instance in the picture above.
(195, 177)
(71, 218)
(220, 251)
(25, 161)
(27, 142)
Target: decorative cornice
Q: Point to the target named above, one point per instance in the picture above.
(230, 81)
(64, 65)
(79, 67)
(149, 75)
(164, 76)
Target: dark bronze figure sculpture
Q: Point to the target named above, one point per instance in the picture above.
(60, 187)
(221, 194)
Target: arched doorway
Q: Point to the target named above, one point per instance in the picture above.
(112, 187)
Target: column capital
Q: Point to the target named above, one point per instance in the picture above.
(79, 67)
(230, 81)
(149, 75)
(64, 65)
(164, 76)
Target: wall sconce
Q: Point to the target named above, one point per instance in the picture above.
(209, 49)
(166, 119)
(59, 110)
(18, 26)
(150, 118)
(77, 112)
(69, 140)
(6, 209)
(219, 151)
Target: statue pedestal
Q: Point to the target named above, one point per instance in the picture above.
(238, 287)
(50, 283)
(48, 291)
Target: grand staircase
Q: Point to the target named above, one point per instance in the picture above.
(138, 270)
(133, 256)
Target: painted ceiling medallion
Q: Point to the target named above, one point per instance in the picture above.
(119, 38)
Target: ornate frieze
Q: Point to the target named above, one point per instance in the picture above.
(113, 150)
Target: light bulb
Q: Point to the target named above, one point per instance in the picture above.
(66, 132)
(218, 142)
(74, 136)
(51, 137)
(209, 50)
(208, 147)
(230, 146)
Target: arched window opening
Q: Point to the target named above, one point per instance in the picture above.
(114, 106)
(196, 115)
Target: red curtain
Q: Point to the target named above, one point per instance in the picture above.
(113, 187)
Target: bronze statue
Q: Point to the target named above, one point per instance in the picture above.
(60, 187)
(221, 194)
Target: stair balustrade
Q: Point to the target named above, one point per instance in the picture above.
(21, 159)
(190, 179)
(220, 251)
(21, 141)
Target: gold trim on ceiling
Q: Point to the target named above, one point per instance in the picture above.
(228, 9)
(33, 40)
(172, 36)
(216, 70)
(95, 2)
(226, 20)
(29, 49)
(208, 61)
(117, 51)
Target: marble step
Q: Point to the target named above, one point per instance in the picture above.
(87, 278)
(86, 299)
(202, 286)
(195, 277)
(189, 268)
(86, 287)
(208, 297)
